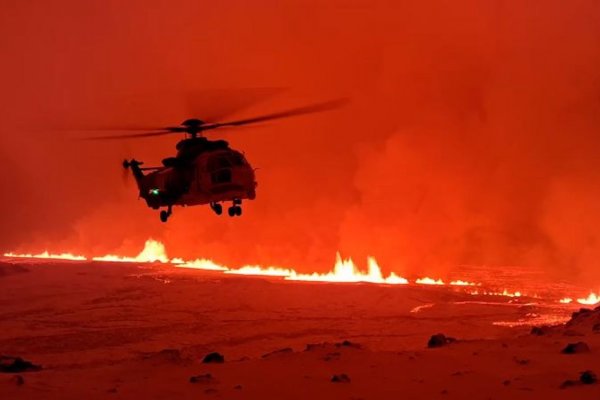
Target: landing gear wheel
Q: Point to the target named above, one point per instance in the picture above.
(238, 211)
(217, 208)
(164, 216)
(231, 211)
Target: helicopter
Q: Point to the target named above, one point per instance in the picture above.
(203, 171)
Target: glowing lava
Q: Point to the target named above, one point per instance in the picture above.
(153, 251)
(45, 254)
(200, 263)
(257, 270)
(463, 283)
(590, 300)
(429, 281)
(346, 271)
(504, 293)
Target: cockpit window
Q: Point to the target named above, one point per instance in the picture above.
(218, 162)
(226, 160)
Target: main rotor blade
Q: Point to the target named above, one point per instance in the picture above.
(313, 108)
(130, 135)
(215, 105)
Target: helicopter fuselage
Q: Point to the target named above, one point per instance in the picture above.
(203, 172)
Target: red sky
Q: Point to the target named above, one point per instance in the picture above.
(472, 135)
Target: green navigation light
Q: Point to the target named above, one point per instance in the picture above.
(154, 192)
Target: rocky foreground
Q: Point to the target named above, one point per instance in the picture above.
(102, 331)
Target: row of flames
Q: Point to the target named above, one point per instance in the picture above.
(344, 271)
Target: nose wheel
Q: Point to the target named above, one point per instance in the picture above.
(217, 208)
(165, 214)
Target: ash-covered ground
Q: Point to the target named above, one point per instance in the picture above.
(101, 330)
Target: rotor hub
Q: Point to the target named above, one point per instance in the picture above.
(193, 126)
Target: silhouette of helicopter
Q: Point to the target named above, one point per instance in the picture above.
(203, 171)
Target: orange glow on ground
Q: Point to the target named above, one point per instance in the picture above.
(257, 270)
(45, 254)
(344, 271)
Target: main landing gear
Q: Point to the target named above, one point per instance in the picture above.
(165, 214)
(235, 209)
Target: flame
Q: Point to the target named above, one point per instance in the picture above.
(510, 294)
(504, 293)
(590, 300)
(429, 281)
(464, 283)
(153, 251)
(344, 270)
(200, 263)
(45, 254)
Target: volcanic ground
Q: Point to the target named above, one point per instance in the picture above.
(129, 330)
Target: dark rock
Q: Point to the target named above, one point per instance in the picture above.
(13, 365)
(332, 356)
(17, 380)
(341, 378)
(538, 331)
(588, 377)
(568, 383)
(238, 387)
(286, 350)
(596, 327)
(439, 340)
(521, 361)
(203, 378)
(213, 358)
(347, 343)
(445, 391)
(506, 383)
(576, 348)
(579, 315)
